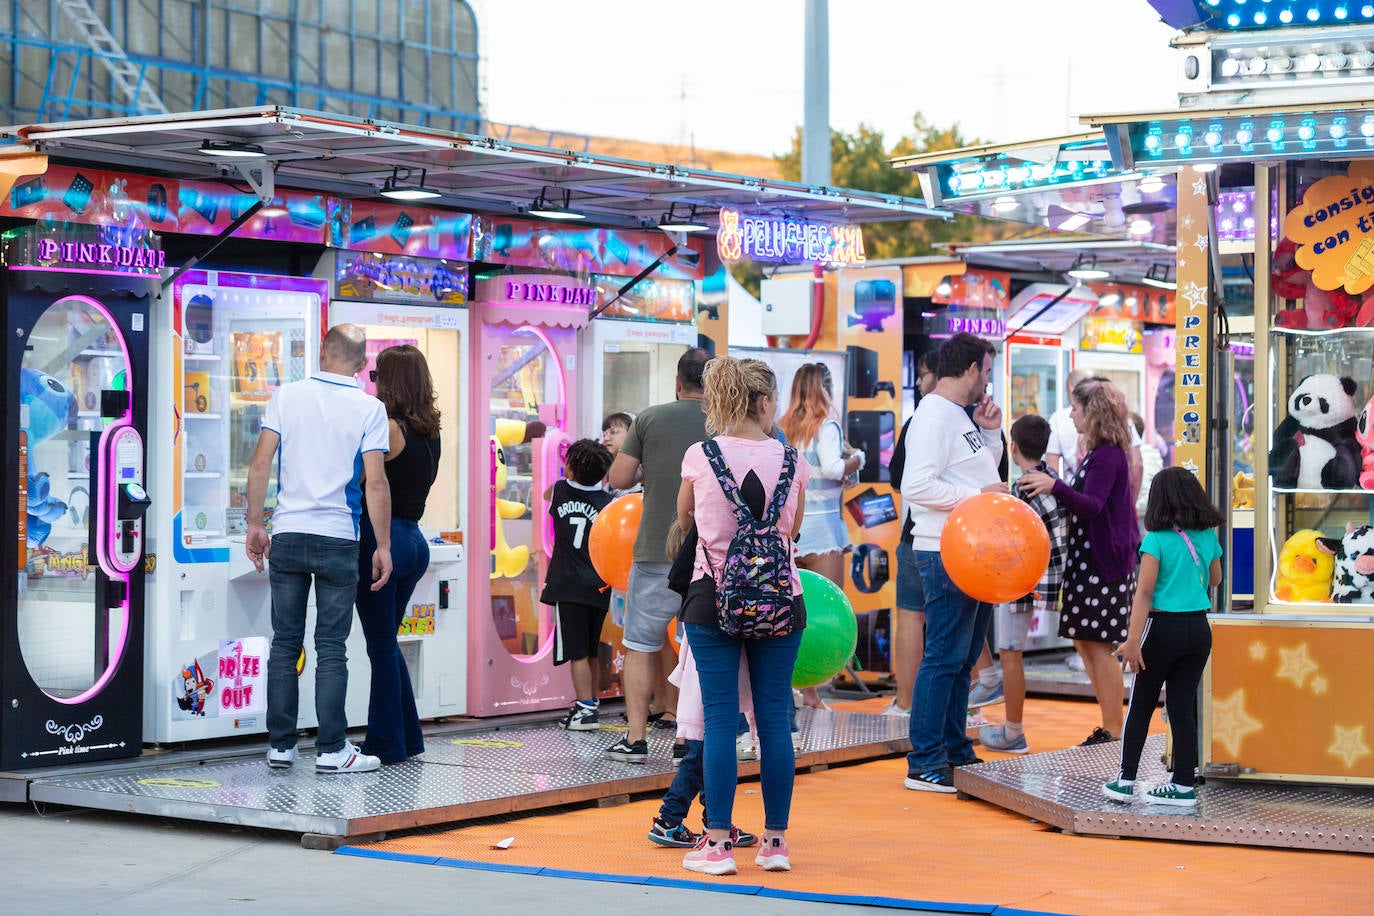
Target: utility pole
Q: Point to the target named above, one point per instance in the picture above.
(815, 168)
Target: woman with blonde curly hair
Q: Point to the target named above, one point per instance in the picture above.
(741, 398)
(1100, 576)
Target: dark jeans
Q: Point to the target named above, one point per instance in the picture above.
(332, 564)
(688, 783)
(1174, 649)
(956, 626)
(393, 725)
(770, 676)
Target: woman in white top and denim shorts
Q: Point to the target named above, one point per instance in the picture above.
(812, 427)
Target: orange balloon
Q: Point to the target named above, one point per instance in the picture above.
(612, 541)
(995, 547)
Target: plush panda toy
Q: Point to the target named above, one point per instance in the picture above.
(1315, 446)
(1353, 580)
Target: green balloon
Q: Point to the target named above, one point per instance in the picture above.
(831, 631)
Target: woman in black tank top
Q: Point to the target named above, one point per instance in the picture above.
(404, 386)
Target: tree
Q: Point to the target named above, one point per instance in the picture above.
(860, 161)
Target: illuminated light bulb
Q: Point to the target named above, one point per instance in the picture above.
(1228, 225)
(1255, 66)
(1212, 138)
(1367, 11)
(1233, 20)
(1042, 172)
(1141, 227)
(1337, 130)
(1334, 61)
(1261, 18)
(1248, 224)
(1002, 204)
(994, 179)
(1313, 14)
(1274, 135)
(1362, 60)
(955, 183)
(1279, 64)
(1306, 132)
(1230, 67)
(1341, 12)
(1244, 136)
(1238, 206)
(1018, 174)
(1183, 139)
(1308, 63)
(1285, 16)
(1214, 2)
(1151, 184)
(1367, 128)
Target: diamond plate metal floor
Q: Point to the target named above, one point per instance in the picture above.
(1064, 789)
(463, 775)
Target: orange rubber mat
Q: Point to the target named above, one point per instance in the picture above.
(856, 831)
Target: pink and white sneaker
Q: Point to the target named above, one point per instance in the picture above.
(711, 858)
(772, 855)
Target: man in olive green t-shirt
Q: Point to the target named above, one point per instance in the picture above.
(656, 443)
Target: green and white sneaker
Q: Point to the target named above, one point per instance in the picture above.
(1167, 793)
(1119, 790)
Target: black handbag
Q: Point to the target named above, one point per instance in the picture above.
(680, 573)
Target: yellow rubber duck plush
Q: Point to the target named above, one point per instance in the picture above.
(507, 561)
(1305, 569)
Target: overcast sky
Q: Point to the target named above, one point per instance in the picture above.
(727, 74)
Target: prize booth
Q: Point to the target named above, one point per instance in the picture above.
(1268, 208)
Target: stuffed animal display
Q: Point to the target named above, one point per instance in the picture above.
(49, 404)
(1315, 446)
(1305, 568)
(1353, 579)
(1321, 309)
(1364, 434)
(507, 561)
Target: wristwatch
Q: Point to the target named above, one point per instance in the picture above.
(869, 568)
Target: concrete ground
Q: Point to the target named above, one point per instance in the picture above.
(97, 862)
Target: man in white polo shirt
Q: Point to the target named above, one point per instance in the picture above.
(329, 432)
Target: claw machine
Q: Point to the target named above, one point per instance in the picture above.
(422, 303)
(226, 342)
(632, 347)
(76, 303)
(523, 410)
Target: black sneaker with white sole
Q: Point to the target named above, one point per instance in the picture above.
(627, 751)
(580, 719)
(938, 780)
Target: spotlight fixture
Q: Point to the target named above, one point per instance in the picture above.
(673, 221)
(397, 187)
(558, 207)
(1109, 299)
(944, 288)
(1085, 268)
(229, 149)
(1157, 275)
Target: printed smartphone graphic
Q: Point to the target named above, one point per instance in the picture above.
(870, 508)
(874, 432)
(400, 230)
(206, 205)
(29, 193)
(364, 229)
(78, 194)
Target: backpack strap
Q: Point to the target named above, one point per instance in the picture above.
(789, 468)
(727, 482)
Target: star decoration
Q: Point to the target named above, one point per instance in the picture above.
(1258, 651)
(1186, 222)
(1190, 466)
(1182, 263)
(1200, 243)
(1195, 296)
(1231, 723)
(1200, 187)
(618, 663)
(1319, 684)
(1349, 745)
(1296, 665)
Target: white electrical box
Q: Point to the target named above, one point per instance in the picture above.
(786, 306)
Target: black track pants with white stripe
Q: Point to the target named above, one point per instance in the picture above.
(1174, 648)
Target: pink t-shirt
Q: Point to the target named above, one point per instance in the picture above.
(714, 515)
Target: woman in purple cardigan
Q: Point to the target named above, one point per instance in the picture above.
(1099, 579)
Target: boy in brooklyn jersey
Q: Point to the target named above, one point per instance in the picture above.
(572, 585)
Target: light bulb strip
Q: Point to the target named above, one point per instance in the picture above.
(1225, 138)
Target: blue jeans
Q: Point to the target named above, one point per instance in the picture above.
(956, 626)
(770, 676)
(687, 785)
(332, 563)
(393, 725)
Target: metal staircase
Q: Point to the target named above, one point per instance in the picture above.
(128, 76)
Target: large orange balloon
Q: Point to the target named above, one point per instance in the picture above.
(612, 541)
(995, 547)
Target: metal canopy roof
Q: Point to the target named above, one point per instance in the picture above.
(1128, 262)
(351, 158)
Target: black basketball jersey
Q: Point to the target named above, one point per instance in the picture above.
(571, 576)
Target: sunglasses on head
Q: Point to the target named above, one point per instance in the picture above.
(372, 376)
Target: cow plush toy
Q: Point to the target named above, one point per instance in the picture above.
(1353, 581)
(1315, 447)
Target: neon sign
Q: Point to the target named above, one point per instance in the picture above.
(98, 255)
(544, 291)
(983, 327)
(779, 239)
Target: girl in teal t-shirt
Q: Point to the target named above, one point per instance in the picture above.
(1169, 640)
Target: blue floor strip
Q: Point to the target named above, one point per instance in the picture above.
(753, 890)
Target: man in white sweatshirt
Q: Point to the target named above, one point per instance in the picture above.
(950, 457)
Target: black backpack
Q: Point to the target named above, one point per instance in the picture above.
(754, 597)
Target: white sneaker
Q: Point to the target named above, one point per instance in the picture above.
(280, 760)
(1075, 662)
(892, 709)
(745, 749)
(975, 720)
(348, 759)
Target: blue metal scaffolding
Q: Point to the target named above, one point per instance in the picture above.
(413, 62)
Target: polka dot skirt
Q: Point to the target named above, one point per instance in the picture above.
(1092, 609)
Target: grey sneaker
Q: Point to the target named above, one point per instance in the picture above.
(981, 696)
(994, 738)
(1168, 793)
(281, 760)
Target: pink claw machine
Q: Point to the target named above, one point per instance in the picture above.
(524, 330)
